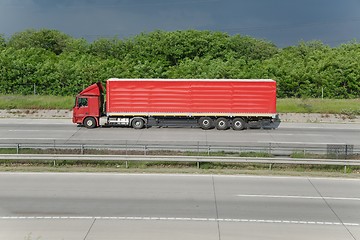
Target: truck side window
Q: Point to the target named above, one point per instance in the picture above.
(82, 102)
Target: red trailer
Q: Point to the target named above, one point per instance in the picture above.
(220, 103)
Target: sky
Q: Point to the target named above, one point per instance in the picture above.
(283, 22)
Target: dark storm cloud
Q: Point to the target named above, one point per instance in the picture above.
(285, 22)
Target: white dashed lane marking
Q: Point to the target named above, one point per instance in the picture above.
(297, 197)
(175, 219)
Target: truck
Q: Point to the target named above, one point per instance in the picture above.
(205, 103)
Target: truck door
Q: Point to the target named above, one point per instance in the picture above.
(82, 108)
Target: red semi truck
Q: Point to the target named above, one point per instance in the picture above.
(219, 103)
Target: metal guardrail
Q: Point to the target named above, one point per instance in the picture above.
(196, 159)
(157, 158)
(134, 151)
(277, 149)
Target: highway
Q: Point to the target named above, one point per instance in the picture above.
(119, 206)
(150, 206)
(63, 131)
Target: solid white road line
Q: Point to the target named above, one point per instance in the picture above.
(179, 175)
(175, 219)
(297, 197)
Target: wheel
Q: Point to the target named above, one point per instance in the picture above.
(90, 122)
(222, 124)
(238, 124)
(137, 123)
(206, 123)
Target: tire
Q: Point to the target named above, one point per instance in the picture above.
(222, 124)
(137, 123)
(206, 123)
(90, 122)
(238, 124)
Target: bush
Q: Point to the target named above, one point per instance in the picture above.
(61, 65)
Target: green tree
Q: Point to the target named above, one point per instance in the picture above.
(2, 41)
(80, 46)
(110, 48)
(340, 70)
(296, 69)
(52, 40)
(61, 65)
(18, 72)
(250, 48)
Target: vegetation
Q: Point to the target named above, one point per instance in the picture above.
(173, 167)
(349, 107)
(35, 102)
(49, 62)
(177, 167)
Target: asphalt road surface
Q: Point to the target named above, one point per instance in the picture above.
(138, 206)
(63, 131)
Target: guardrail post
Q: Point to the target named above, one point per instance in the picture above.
(208, 150)
(126, 164)
(270, 166)
(145, 148)
(17, 148)
(82, 149)
(345, 169)
(198, 165)
(126, 147)
(269, 148)
(346, 151)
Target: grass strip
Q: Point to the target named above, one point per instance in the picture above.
(349, 107)
(35, 102)
(163, 166)
(174, 167)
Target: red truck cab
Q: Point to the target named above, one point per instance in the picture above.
(88, 106)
